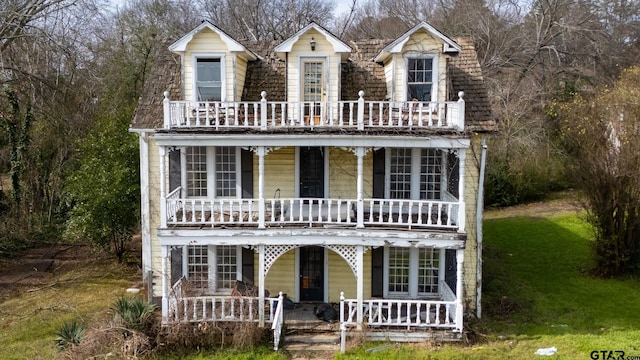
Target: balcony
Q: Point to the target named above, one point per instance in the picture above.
(307, 212)
(356, 115)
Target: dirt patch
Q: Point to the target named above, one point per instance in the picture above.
(39, 267)
(557, 204)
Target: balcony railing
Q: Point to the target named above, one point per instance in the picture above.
(310, 212)
(267, 115)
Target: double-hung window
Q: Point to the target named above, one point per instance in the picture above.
(208, 78)
(212, 171)
(214, 268)
(415, 174)
(412, 272)
(421, 78)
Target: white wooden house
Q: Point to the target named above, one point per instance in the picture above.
(330, 171)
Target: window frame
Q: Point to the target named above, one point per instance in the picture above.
(434, 74)
(212, 267)
(415, 188)
(197, 56)
(414, 268)
(211, 173)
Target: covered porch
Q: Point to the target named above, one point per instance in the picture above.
(440, 310)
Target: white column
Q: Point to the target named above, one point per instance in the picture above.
(360, 188)
(360, 283)
(163, 187)
(462, 154)
(261, 279)
(165, 287)
(261, 151)
(166, 111)
(459, 290)
(145, 209)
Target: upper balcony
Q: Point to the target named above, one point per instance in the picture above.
(358, 115)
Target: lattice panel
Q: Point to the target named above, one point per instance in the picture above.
(349, 253)
(272, 253)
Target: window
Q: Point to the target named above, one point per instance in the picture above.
(415, 174)
(412, 272)
(312, 87)
(196, 171)
(213, 268)
(208, 79)
(212, 170)
(420, 79)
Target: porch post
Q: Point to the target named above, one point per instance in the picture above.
(459, 292)
(360, 110)
(360, 186)
(163, 187)
(462, 154)
(166, 111)
(261, 276)
(263, 111)
(261, 152)
(360, 283)
(165, 288)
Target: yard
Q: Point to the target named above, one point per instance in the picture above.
(536, 294)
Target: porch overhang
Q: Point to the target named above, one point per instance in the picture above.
(305, 237)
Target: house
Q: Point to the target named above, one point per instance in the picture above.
(332, 172)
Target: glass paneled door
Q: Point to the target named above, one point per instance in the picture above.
(311, 273)
(313, 91)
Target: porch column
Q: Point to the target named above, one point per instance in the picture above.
(459, 292)
(360, 151)
(261, 285)
(165, 287)
(462, 154)
(163, 187)
(261, 151)
(360, 283)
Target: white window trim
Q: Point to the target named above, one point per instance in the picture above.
(212, 265)
(325, 68)
(413, 275)
(211, 174)
(434, 73)
(416, 154)
(223, 77)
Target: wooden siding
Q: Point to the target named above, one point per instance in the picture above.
(302, 50)
(154, 220)
(241, 74)
(280, 276)
(343, 174)
(208, 42)
(279, 173)
(341, 277)
(419, 42)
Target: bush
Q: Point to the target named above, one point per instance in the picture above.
(134, 314)
(70, 334)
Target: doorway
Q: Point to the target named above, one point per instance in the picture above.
(311, 172)
(311, 273)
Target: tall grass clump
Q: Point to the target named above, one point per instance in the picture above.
(70, 334)
(134, 313)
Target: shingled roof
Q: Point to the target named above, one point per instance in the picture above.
(360, 72)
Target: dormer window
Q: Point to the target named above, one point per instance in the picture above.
(421, 79)
(208, 79)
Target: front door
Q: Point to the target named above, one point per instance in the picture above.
(313, 90)
(311, 172)
(311, 273)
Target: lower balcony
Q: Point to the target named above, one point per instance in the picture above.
(312, 212)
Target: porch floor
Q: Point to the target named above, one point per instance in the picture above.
(302, 317)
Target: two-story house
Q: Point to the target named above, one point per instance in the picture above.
(330, 171)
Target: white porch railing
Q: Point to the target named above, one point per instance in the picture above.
(311, 211)
(219, 308)
(360, 114)
(278, 321)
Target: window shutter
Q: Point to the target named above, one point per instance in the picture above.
(246, 166)
(377, 273)
(174, 169)
(378, 174)
(247, 265)
(176, 264)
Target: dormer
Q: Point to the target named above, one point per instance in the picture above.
(415, 65)
(214, 65)
(313, 57)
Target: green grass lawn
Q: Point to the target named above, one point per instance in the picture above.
(537, 294)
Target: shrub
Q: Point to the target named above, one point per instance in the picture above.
(70, 334)
(134, 313)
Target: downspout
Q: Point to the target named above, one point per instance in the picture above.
(479, 209)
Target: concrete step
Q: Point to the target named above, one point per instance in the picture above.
(321, 338)
(302, 347)
(323, 345)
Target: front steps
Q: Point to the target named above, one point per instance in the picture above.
(312, 345)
